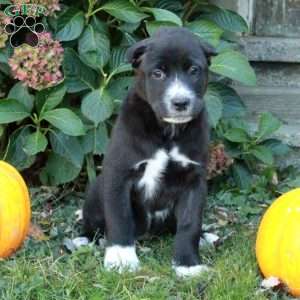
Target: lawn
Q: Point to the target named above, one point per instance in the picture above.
(44, 269)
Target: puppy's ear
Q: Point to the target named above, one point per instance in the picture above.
(209, 51)
(135, 53)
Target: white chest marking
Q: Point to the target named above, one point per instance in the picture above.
(156, 167)
(153, 173)
(181, 158)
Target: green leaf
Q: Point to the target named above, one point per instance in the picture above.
(35, 143)
(117, 62)
(97, 107)
(58, 170)
(263, 154)
(70, 24)
(122, 68)
(171, 5)
(5, 54)
(228, 20)
(124, 11)
(20, 93)
(237, 135)
(206, 30)
(153, 26)
(163, 15)
(129, 28)
(15, 152)
(234, 65)
(225, 46)
(67, 147)
(128, 39)
(242, 124)
(65, 120)
(214, 107)
(233, 105)
(11, 111)
(242, 175)
(118, 88)
(48, 99)
(117, 58)
(94, 48)
(96, 140)
(267, 125)
(277, 147)
(99, 25)
(78, 76)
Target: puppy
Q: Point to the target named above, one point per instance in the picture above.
(154, 172)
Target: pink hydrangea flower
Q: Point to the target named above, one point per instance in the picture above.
(38, 67)
(219, 161)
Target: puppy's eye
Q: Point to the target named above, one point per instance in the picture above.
(194, 70)
(158, 74)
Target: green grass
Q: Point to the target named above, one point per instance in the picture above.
(44, 270)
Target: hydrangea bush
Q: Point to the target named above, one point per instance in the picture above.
(59, 100)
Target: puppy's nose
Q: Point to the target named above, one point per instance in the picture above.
(181, 104)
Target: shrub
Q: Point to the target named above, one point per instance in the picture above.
(65, 125)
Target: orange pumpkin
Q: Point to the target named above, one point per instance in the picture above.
(278, 241)
(14, 209)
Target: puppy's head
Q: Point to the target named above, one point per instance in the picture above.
(172, 73)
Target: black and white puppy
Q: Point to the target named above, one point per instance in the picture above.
(154, 172)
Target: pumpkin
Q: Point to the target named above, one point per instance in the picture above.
(15, 209)
(278, 241)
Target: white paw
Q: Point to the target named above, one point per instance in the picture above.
(192, 271)
(121, 259)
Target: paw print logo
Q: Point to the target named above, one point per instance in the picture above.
(24, 31)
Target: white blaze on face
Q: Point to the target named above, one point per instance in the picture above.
(177, 90)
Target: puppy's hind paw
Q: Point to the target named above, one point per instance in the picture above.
(192, 271)
(121, 258)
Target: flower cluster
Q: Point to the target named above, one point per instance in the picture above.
(219, 161)
(3, 35)
(38, 67)
(51, 5)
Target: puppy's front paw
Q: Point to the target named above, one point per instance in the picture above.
(192, 271)
(121, 258)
